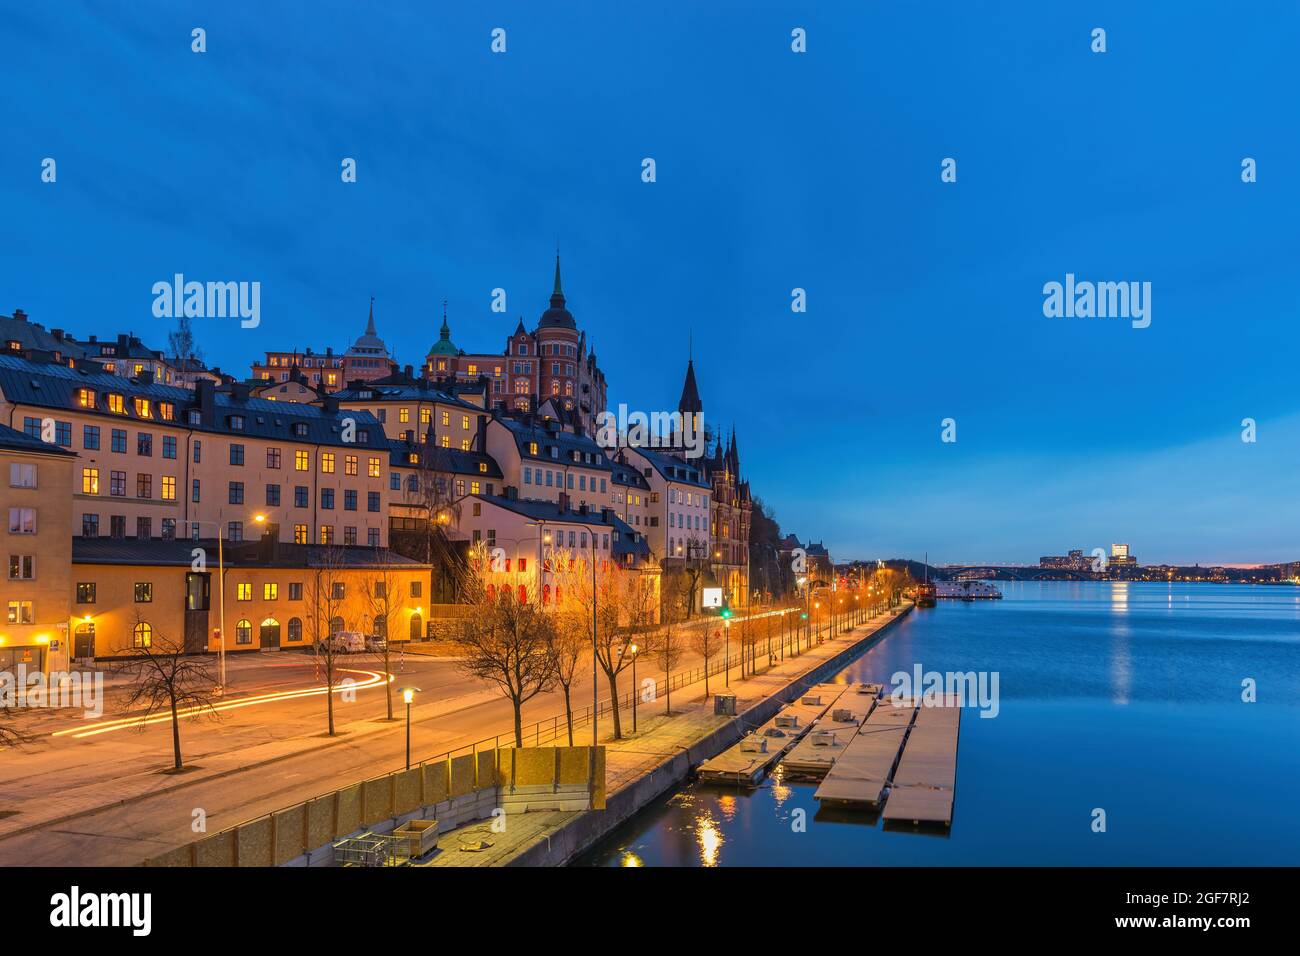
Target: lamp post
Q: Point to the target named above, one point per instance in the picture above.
(635, 692)
(408, 695)
(221, 585)
(726, 657)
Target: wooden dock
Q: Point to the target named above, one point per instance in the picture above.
(745, 763)
(862, 772)
(831, 734)
(924, 785)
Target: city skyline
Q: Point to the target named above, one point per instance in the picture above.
(1070, 432)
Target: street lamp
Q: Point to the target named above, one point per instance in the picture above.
(726, 658)
(221, 585)
(635, 692)
(408, 695)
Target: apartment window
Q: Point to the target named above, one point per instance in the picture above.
(169, 446)
(142, 635)
(273, 458)
(236, 423)
(295, 590)
(22, 567)
(142, 409)
(301, 461)
(236, 492)
(372, 501)
(300, 493)
(327, 462)
(243, 591)
(22, 520)
(90, 437)
(394, 481)
(350, 535)
(295, 629)
(373, 470)
(300, 428)
(445, 441)
(20, 612)
(194, 490)
(372, 537)
(299, 535)
(425, 416)
(446, 418)
(416, 589)
(244, 632)
(144, 444)
(86, 397)
(144, 528)
(339, 590)
(117, 526)
(90, 526)
(403, 415)
(166, 410)
(22, 475)
(273, 496)
(237, 454)
(235, 531)
(326, 534)
(168, 531)
(349, 500)
(270, 591)
(349, 464)
(327, 499)
(90, 481)
(116, 404)
(119, 441)
(117, 484)
(143, 592)
(144, 486)
(168, 488)
(85, 592)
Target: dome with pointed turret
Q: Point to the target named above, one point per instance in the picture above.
(369, 343)
(444, 345)
(557, 316)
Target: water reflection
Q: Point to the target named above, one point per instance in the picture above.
(709, 838)
(1119, 597)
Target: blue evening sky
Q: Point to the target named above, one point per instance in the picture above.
(775, 171)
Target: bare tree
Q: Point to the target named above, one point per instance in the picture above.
(328, 591)
(185, 353)
(668, 645)
(162, 678)
(706, 642)
(433, 493)
(568, 637)
(381, 587)
(507, 642)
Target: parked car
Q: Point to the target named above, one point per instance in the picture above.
(376, 645)
(346, 642)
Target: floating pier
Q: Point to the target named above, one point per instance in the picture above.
(832, 733)
(745, 763)
(863, 770)
(924, 785)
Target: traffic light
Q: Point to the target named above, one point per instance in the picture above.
(804, 616)
(726, 612)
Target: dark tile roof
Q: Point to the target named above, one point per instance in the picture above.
(49, 385)
(451, 460)
(179, 553)
(548, 438)
(13, 440)
(629, 477)
(676, 469)
(630, 541)
(403, 392)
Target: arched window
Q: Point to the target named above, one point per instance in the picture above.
(295, 629)
(336, 625)
(417, 627)
(142, 636)
(244, 632)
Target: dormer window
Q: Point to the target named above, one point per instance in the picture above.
(86, 397)
(300, 429)
(482, 467)
(413, 458)
(116, 403)
(236, 423)
(532, 448)
(167, 411)
(142, 409)
(196, 417)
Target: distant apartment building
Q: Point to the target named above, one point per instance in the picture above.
(328, 371)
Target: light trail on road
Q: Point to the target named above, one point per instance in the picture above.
(373, 678)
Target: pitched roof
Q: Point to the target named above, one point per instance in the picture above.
(13, 440)
(548, 438)
(690, 401)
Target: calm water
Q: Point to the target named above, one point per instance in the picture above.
(1125, 697)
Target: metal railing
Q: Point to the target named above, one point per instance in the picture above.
(550, 729)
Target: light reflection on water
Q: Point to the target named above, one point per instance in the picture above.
(1127, 698)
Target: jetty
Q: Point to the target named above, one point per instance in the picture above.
(923, 787)
(863, 771)
(744, 763)
(832, 733)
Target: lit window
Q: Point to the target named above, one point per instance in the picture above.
(116, 403)
(86, 397)
(301, 461)
(243, 591)
(90, 481)
(142, 636)
(270, 591)
(374, 468)
(327, 462)
(142, 409)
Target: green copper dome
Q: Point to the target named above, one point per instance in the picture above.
(444, 345)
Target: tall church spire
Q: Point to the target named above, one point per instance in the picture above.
(370, 323)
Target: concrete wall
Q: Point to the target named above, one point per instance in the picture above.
(454, 792)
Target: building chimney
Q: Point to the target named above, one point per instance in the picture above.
(239, 391)
(145, 377)
(512, 493)
(330, 404)
(564, 501)
(482, 434)
(19, 315)
(607, 515)
(205, 393)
